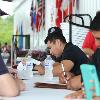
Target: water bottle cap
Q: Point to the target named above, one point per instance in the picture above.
(29, 56)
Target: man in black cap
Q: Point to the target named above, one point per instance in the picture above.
(71, 57)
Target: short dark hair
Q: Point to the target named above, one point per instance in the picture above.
(53, 34)
(95, 24)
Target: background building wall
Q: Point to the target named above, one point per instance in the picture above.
(89, 6)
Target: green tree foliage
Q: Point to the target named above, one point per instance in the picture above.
(6, 29)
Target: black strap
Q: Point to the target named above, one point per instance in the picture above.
(79, 16)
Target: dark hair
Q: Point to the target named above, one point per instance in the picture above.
(96, 61)
(97, 12)
(95, 24)
(53, 34)
(96, 57)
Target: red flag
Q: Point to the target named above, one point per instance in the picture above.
(59, 12)
(71, 6)
(65, 7)
(68, 7)
(40, 14)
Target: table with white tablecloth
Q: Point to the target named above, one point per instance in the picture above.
(33, 93)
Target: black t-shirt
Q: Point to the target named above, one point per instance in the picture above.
(96, 61)
(76, 55)
(3, 68)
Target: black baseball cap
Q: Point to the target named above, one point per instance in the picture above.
(54, 30)
(54, 33)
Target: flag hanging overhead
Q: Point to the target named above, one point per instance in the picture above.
(76, 6)
(33, 15)
(68, 7)
(37, 14)
(63, 9)
(40, 17)
(21, 37)
(58, 12)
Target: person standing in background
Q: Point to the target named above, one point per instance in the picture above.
(89, 45)
(5, 48)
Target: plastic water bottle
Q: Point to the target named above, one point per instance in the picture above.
(48, 63)
(29, 66)
(29, 63)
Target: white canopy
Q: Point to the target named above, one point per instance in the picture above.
(10, 7)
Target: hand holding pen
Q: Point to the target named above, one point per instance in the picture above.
(64, 73)
(65, 76)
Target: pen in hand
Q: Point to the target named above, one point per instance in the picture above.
(64, 71)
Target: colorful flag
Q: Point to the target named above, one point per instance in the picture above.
(76, 7)
(63, 9)
(52, 14)
(71, 6)
(33, 15)
(40, 17)
(58, 12)
(21, 37)
(67, 7)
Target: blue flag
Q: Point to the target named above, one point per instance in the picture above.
(21, 37)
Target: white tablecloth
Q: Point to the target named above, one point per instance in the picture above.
(33, 93)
